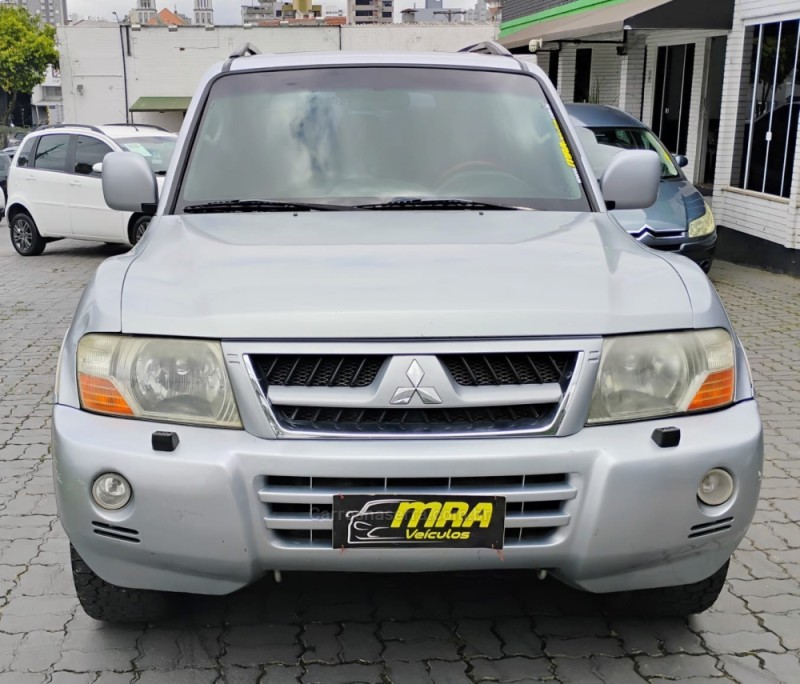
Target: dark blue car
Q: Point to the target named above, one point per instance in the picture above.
(680, 220)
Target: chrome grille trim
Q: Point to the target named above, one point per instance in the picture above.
(587, 350)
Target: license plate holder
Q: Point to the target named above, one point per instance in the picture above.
(431, 521)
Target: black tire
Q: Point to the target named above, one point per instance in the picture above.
(680, 601)
(138, 228)
(103, 601)
(25, 235)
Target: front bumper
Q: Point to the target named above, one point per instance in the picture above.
(700, 250)
(201, 526)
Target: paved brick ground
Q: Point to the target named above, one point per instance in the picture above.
(383, 628)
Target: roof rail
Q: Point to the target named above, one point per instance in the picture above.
(66, 125)
(247, 50)
(488, 47)
(139, 125)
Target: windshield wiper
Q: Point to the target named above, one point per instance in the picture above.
(225, 206)
(407, 203)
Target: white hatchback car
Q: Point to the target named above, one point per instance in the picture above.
(54, 186)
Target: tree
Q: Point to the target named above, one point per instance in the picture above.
(27, 48)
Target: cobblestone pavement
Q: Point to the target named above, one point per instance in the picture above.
(446, 629)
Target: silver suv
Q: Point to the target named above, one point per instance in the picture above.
(382, 321)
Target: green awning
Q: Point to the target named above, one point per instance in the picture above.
(161, 104)
(574, 19)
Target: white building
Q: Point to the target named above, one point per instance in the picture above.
(688, 69)
(260, 10)
(151, 74)
(203, 12)
(47, 105)
(144, 12)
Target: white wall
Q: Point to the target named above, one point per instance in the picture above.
(772, 218)
(166, 63)
(605, 73)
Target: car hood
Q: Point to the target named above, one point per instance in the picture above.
(668, 214)
(399, 275)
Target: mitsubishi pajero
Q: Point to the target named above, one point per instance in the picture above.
(382, 321)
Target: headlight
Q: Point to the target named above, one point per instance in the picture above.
(702, 226)
(177, 381)
(646, 376)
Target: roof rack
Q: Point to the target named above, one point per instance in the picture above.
(137, 126)
(488, 47)
(247, 50)
(66, 125)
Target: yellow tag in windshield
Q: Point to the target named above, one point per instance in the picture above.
(564, 148)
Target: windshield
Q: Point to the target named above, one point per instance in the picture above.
(349, 136)
(636, 139)
(156, 149)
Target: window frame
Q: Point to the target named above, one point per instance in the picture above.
(71, 164)
(589, 186)
(34, 143)
(70, 145)
(746, 118)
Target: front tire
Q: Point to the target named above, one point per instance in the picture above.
(25, 235)
(138, 228)
(103, 601)
(680, 601)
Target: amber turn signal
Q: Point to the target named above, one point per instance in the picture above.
(717, 390)
(100, 395)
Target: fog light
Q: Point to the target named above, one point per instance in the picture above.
(716, 487)
(111, 491)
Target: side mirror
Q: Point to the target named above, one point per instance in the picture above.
(129, 183)
(682, 160)
(631, 180)
(98, 168)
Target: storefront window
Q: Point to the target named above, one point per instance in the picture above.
(767, 130)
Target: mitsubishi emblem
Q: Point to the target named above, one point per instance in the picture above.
(403, 395)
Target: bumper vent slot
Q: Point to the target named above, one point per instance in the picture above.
(299, 510)
(480, 370)
(115, 532)
(704, 529)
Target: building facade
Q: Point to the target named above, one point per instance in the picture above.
(144, 12)
(263, 10)
(718, 81)
(370, 11)
(203, 12)
(49, 11)
(46, 101)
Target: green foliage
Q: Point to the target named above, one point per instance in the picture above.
(27, 48)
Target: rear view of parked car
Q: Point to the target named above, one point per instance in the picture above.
(56, 190)
(680, 220)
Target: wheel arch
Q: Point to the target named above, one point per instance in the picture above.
(131, 223)
(18, 208)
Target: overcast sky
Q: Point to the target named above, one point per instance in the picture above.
(225, 11)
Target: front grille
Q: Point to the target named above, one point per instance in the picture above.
(474, 370)
(421, 420)
(300, 370)
(299, 510)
